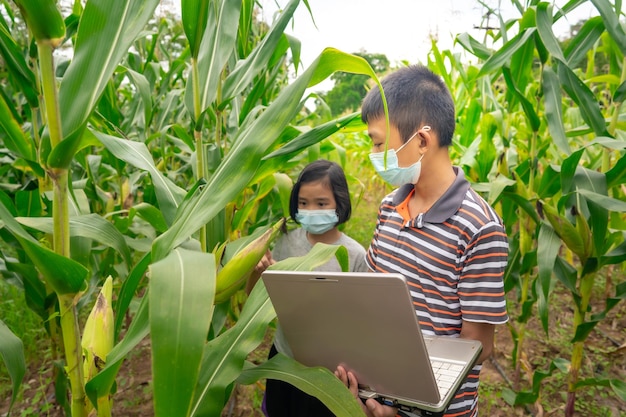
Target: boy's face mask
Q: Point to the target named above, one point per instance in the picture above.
(317, 222)
(395, 174)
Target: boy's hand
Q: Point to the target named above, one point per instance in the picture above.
(371, 408)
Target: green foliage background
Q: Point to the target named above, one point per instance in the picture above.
(163, 150)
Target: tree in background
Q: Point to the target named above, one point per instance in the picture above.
(349, 89)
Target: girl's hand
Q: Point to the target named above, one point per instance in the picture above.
(264, 263)
(371, 408)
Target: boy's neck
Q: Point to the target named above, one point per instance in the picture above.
(436, 177)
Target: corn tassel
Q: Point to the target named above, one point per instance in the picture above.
(44, 20)
(237, 271)
(97, 341)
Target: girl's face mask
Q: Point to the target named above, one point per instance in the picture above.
(395, 174)
(317, 222)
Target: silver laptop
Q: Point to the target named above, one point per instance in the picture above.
(366, 322)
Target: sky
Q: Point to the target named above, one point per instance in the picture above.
(400, 29)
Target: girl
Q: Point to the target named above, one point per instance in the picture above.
(319, 202)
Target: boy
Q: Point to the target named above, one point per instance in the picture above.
(434, 229)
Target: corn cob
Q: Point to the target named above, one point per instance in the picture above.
(97, 340)
(565, 230)
(238, 269)
(44, 20)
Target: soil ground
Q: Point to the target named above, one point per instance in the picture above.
(605, 357)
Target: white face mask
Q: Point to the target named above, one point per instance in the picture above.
(317, 222)
(395, 174)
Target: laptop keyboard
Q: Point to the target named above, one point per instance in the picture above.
(446, 374)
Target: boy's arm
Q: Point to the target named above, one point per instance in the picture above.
(483, 332)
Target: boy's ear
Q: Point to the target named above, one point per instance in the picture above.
(425, 136)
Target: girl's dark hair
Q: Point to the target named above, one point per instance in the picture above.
(415, 96)
(330, 174)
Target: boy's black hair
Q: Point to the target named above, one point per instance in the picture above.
(415, 96)
(330, 174)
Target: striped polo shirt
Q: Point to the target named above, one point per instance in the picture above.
(453, 257)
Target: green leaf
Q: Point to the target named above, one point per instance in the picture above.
(128, 291)
(14, 139)
(91, 226)
(315, 135)
(106, 32)
(12, 352)
(617, 174)
(317, 256)
(44, 20)
(529, 110)
(548, 245)
(169, 195)
(612, 23)
(318, 382)
(245, 71)
(544, 27)
(182, 287)
(568, 170)
(224, 356)
(218, 43)
(620, 93)
(473, 46)
(584, 40)
(151, 214)
(609, 203)
(584, 98)
(501, 57)
(17, 67)
(143, 87)
(553, 104)
(194, 15)
(63, 274)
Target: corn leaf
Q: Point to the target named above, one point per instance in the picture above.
(499, 59)
(17, 66)
(225, 355)
(612, 23)
(544, 28)
(90, 226)
(12, 352)
(14, 139)
(316, 134)
(245, 71)
(584, 40)
(168, 194)
(182, 287)
(106, 32)
(584, 98)
(554, 113)
(128, 291)
(318, 382)
(548, 245)
(194, 15)
(218, 43)
(64, 275)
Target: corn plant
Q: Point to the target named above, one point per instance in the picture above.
(110, 156)
(550, 154)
